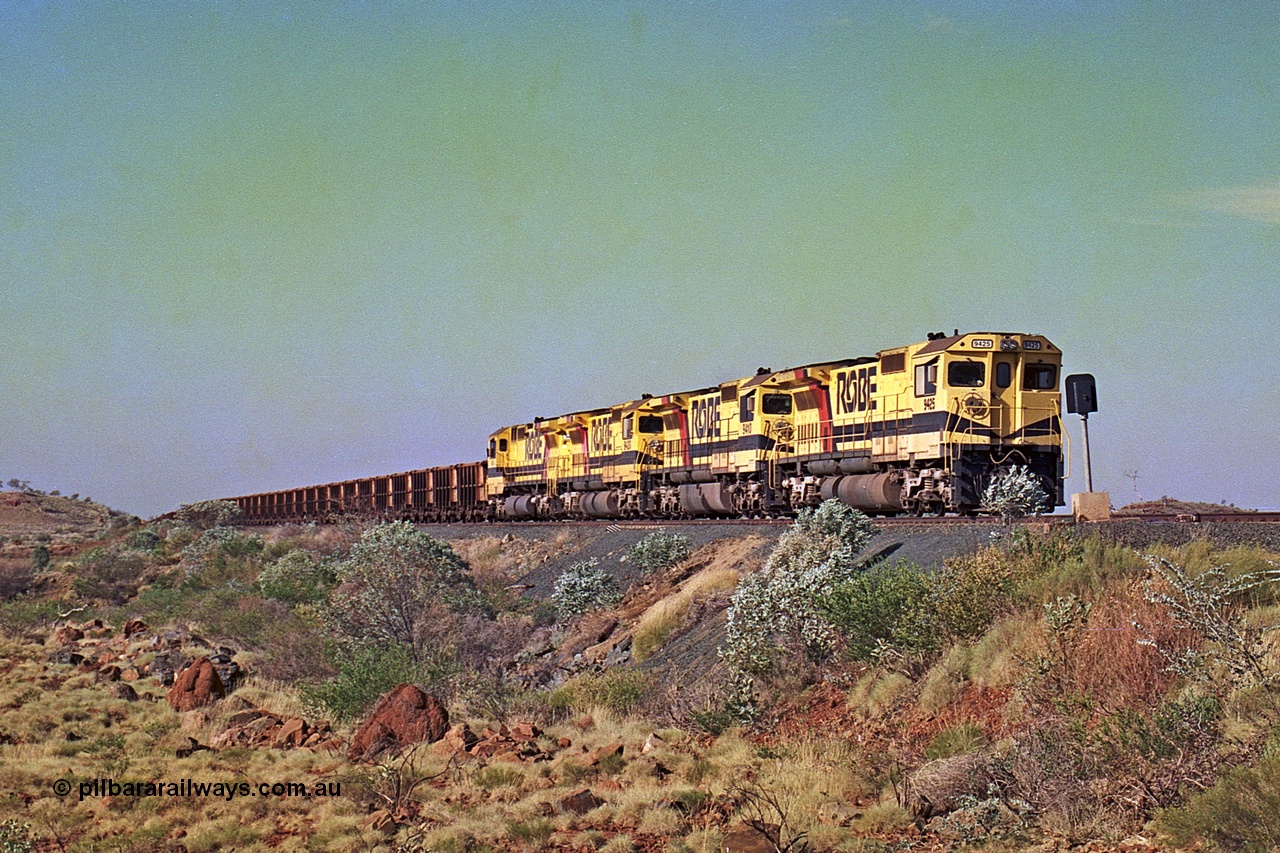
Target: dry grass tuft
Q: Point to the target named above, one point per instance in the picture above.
(877, 691)
(665, 617)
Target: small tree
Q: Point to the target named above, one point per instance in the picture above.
(583, 587)
(395, 582)
(1014, 492)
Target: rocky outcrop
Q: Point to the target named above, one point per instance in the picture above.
(196, 686)
(405, 716)
(254, 727)
(136, 651)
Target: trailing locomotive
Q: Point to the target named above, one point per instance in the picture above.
(917, 429)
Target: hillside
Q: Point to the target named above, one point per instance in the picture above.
(33, 513)
(1172, 506)
(973, 686)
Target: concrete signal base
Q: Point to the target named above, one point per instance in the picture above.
(1091, 506)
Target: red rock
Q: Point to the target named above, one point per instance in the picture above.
(458, 739)
(196, 686)
(579, 802)
(603, 752)
(243, 718)
(261, 728)
(133, 626)
(130, 673)
(380, 821)
(120, 690)
(405, 716)
(525, 732)
(485, 748)
(68, 634)
(292, 733)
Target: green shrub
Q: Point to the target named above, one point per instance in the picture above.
(142, 540)
(659, 551)
(618, 690)
(39, 558)
(22, 615)
(298, 577)
(15, 837)
(1240, 812)
(213, 552)
(1209, 603)
(498, 776)
(969, 593)
(584, 587)
(107, 575)
(206, 514)
(366, 673)
(877, 606)
(533, 832)
(957, 740)
(1014, 492)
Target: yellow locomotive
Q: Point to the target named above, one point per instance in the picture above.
(915, 429)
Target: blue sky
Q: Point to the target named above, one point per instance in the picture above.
(252, 246)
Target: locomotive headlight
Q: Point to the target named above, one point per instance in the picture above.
(1008, 345)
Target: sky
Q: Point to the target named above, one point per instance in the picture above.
(248, 246)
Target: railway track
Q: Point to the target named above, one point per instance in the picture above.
(929, 521)
(883, 521)
(1205, 517)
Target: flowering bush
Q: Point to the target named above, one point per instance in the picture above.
(582, 587)
(1014, 492)
(298, 577)
(778, 606)
(205, 514)
(659, 551)
(213, 548)
(1233, 653)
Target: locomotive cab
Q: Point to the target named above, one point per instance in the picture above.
(991, 400)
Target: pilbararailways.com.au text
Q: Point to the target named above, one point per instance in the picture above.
(192, 788)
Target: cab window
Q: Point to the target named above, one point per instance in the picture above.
(1004, 374)
(927, 378)
(493, 448)
(776, 404)
(649, 424)
(966, 374)
(1039, 377)
(502, 445)
(747, 407)
(627, 425)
